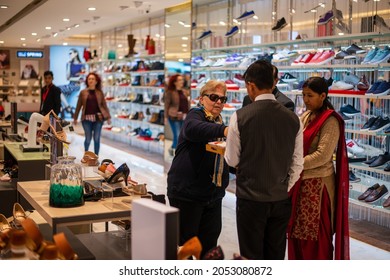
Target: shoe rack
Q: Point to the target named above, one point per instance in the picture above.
(374, 143)
(133, 89)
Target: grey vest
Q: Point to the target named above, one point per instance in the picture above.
(267, 132)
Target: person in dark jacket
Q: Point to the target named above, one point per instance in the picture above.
(280, 97)
(50, 95)
(197, 178)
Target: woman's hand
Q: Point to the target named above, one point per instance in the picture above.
(75, 122)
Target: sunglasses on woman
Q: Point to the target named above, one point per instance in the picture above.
(214, 97)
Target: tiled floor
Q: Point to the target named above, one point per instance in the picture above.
(152, 173)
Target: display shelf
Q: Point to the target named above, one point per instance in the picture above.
(363, 96)
(362, 166)
(147, 72)
(116, 73)
(246, 48)
(369, 133)
(147, 87)
(126, 60)
(142, 123)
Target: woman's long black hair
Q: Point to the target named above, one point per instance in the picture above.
(319, 85)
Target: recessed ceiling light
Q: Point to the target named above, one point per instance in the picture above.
(65, 19)
(187, 25)
(180, 60)
(68, 28)
(3, 7)
(222, 23)
(184, 38)
(38, 40)
(184, 45)
(1, 42)
(23, 39)
(158, 35)
(55, 34)
(34, 34)
(48, 27)
(77, 25)
(23, 44)
(341, 34)
(91, 9)
(120, 46)
(167, 25)
(255, 17)
(235, 21)
(65, 44)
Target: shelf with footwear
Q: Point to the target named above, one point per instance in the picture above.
(362, 166)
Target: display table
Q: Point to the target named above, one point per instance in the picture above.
(31, 164)
(109, 209)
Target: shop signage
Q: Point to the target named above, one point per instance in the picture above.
(29, 54)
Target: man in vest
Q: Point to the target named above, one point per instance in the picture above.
(265, 144)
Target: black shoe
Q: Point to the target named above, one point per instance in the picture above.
(366, 194)
(280, 24)
(380, 124)
(354, 49)
(345, 117)
(369, 123)
(353, 178)
(387, 130)
(381, 160)
(122, 171)
(341, 55)
(371, 160)
(139, 99)
(387, 168)
(377, 194)
(349, 110)
(7, 118)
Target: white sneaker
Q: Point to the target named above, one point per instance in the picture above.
(246, 62)
(341, 85)
(353, 147)
(206, 63)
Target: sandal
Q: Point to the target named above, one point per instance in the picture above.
(90, 159)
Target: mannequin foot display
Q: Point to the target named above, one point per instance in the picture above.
(122, 171)
(190, 248)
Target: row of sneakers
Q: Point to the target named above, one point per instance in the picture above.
(234, 60)
(377, 124)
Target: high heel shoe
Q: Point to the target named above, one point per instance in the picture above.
(59, 135)
(90, 159)
(4, 224)
(19, 214)
(190, 248)
(122, 171)
(46, 120)
(103, 166)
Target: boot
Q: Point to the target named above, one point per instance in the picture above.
(147, 42)
(131, 42)
(152, 47)
(154, 118)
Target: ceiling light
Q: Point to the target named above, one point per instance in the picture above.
(167, 25)
(23, 39)
(184, 38)
(55, 34)
(120, 46)
(77, 25)
(38, 40)
(273, 13)
(23, 44)
(222, 23)
(377, 0)
(68, 28)
(180, 22)
(3, 7)
(34, 34)
(180, 60)
(313, 10)
(184, 50)
(65, 19)
(255, 17)
(1, 42)
(187, 25)
(158, 35)
(184, 45)
(322, 5)
(235, 21)
(65, 43)
(91, 9)
(47, 27)
(293, 11)
(341, 34)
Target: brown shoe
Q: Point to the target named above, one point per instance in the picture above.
(364, 195)
(377, 194)
(387, 202)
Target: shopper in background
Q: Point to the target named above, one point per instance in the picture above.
(280, 97)
(197, 178)
(320, 197)
(94, 111)
(176, 107)
(4, 59)
(264, 144)
(50, 95)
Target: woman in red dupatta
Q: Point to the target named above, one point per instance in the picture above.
(320, 197)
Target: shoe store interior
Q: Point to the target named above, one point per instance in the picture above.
(94, 99)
